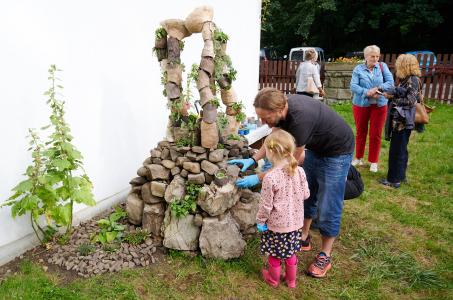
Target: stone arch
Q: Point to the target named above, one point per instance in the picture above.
(215, 68)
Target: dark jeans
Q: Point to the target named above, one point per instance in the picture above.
(398, 155)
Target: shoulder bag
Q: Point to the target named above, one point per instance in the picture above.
(422, 110)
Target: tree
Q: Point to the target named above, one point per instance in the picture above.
(339, 26)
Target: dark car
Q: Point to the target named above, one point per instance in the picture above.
(268, 54)
(358, 54)
(424, 58)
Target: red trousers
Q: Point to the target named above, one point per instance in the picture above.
(375, 116)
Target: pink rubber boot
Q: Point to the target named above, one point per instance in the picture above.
(291, 271)
(272, 274)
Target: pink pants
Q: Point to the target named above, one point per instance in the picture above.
(375, 116)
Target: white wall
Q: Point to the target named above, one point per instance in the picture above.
(114, 101)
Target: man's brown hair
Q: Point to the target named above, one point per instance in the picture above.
(270, 99)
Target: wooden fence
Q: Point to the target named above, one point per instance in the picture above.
(437, 78)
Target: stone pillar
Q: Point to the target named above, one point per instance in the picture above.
(336, 84)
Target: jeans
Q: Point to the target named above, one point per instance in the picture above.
(398, 155)
(326, 178)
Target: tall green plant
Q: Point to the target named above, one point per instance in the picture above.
(65, 167)
(56, 179)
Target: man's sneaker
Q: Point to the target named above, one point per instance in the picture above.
(357, 162)
(305, 245)
(373, 167)
(320, 265)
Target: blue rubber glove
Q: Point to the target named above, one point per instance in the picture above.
(246, 163)
(261, 228)
(248, 181)
(267, 165)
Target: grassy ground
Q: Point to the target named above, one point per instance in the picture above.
(394, 244)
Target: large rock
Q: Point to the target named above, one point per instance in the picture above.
(245, 213)
(180, 233)
(209, 167)
(142, 172)
(134, 208)
(221, 239)
(158, 188)
(155, 153)
(147, 194)
(169, 164)
(153, 217)
(176, 28)
(181, 160)
(198, 149)
(176, 189)
(138, 181)
(192, 167)
(200, 15)
(216, 200)
(216, 155)
(157, 172)
(196, 178)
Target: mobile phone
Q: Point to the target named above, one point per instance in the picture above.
(379, 92)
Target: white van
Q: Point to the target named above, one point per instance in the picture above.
(298, 54)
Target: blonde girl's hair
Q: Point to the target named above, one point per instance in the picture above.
(407, 65)
(270, 99)
(281, 145)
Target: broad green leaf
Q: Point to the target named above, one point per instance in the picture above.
(61, 164)
(63, 192)
(24, 186)
(102, 238)
(103, 222)
(111, 236)
(62, 214)
(83, 196)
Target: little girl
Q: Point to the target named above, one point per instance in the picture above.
(281, 212)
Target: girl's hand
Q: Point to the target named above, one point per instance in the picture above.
(261, 227)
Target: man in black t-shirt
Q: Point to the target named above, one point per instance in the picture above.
(325, 144)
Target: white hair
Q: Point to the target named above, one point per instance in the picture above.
(371, 49)
(311, 54)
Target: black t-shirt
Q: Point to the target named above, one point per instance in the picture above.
(317, 126)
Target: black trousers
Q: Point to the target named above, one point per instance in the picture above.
(305, 93)
(398, 155)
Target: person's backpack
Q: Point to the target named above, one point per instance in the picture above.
(354, 184)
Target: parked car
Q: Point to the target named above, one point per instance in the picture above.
(425, 58)
(298, 54)
(268, 54)
(358, 54)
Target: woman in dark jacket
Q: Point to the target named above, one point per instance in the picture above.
(401, 116)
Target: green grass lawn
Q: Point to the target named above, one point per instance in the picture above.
(394, 244)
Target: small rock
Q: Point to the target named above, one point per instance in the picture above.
(198, 149)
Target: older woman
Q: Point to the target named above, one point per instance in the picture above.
(401, 117)
(309, 71)
(369, 81)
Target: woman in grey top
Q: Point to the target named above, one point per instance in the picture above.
(309, 69)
